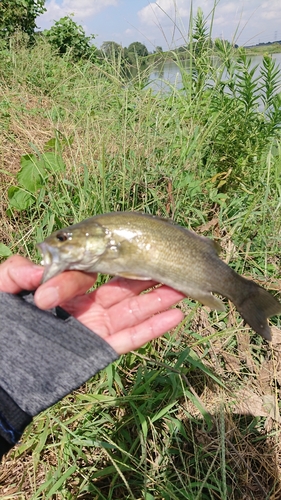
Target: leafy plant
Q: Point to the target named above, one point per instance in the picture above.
(66, 36)
(35, 173)
(19, 15)
(200, 44)
(5, 251)
(238, 109)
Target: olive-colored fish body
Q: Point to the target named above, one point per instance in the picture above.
(140, 246)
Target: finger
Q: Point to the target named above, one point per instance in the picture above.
(62, 288)
(135, 337)
(18, 273)
(134, 310)
(118, 289)
(128, 313)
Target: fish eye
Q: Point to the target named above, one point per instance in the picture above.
(62, 237)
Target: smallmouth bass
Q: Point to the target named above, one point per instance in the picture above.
(140, 246)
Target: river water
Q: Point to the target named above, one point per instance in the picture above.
(167, 76)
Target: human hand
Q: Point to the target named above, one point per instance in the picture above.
(115, 311)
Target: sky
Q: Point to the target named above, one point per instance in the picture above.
(165, 22)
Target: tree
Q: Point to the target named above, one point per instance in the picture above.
(111, 49)
(138, 48)
(66, 35)
(19, 15)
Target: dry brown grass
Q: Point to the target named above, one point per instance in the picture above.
(245, 413)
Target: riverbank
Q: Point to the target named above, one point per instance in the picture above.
(192, 414)
(273, 48)
(183, 54)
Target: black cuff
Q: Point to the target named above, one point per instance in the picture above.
(4, 446)
(13, 421)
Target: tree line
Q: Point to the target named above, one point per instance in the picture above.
(19, 16)
(66, 36)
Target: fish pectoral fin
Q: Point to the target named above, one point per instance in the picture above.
(207, 299)
(132, 276)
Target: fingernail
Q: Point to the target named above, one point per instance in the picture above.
(47, 298)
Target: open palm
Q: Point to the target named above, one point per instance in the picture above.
(117, 311)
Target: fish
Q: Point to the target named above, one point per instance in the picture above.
(146, 247)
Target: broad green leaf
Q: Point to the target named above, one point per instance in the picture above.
(4, 250)
(148, 496)
(19, 198)
(52, 162)
(31, 174)
(51, 144)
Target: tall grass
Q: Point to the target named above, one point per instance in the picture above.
(165, 422)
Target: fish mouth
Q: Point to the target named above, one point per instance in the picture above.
(51, 260)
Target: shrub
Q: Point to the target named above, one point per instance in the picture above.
(68, 36)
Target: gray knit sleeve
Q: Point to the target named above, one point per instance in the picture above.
(44, 355)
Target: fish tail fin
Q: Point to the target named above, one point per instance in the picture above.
(256, 306)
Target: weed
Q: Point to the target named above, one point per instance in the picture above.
(193, 415)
